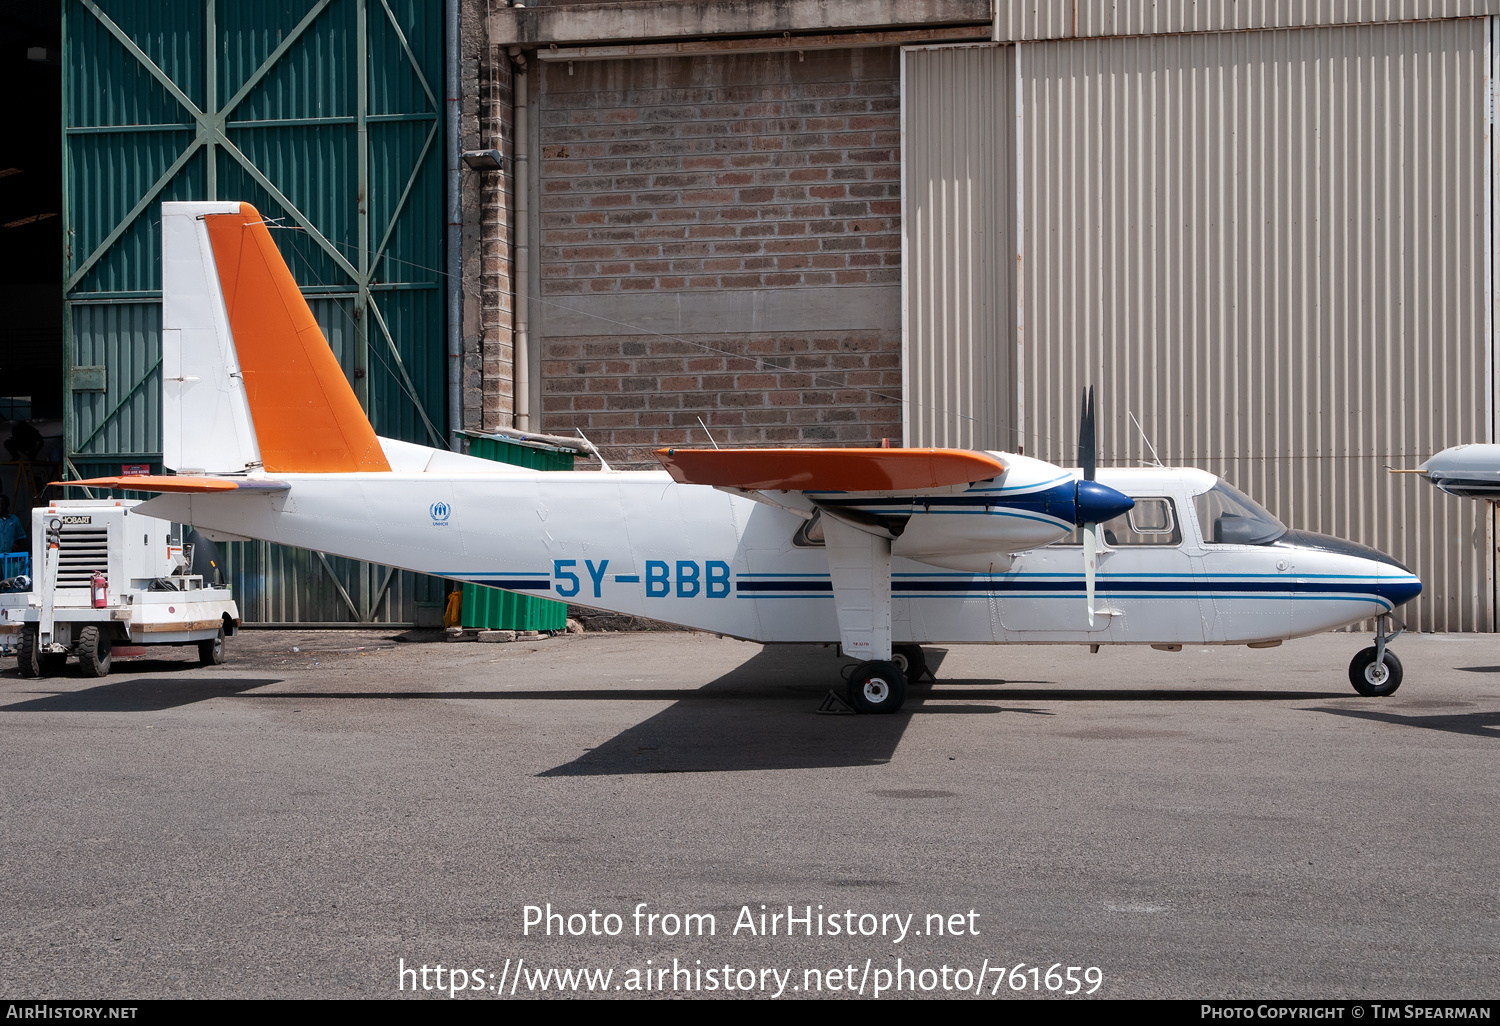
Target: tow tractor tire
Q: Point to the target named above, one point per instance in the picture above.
(911, 661)
(28, 658)
(94, 651)
(211, 652)
(877, 687)
(1375, 681)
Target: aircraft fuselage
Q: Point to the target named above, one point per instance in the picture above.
(639, 543)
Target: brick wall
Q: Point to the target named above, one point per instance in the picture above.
(720, 238)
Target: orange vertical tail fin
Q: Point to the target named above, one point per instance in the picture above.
(306, 417)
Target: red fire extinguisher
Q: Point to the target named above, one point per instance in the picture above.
(99, 587)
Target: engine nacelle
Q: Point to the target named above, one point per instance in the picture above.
(976, 543)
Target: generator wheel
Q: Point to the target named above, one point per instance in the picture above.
(28, 659)
(211, 651)
(94, 650)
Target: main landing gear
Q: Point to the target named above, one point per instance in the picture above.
(1374, 672)
(912, 662)
(877, 687)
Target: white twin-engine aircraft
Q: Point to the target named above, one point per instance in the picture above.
(879, 550)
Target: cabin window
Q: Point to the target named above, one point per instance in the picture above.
(1153, 521)
(1152, 516)
(1227, 516)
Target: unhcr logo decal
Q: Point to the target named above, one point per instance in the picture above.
(440, 511)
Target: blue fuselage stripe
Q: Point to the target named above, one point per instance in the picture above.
(1075, 586)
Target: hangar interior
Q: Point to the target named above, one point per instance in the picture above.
(1264, 232)
(31, 241)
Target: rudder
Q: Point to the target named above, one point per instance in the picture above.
(275, 395)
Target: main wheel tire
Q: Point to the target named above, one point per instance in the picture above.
(94, 651)
(877, 687)
(911, 661)
(211, 652)
(28, 656)
(1372, 680)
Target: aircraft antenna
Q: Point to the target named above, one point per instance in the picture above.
(1144, 438)
(707, 432)
(594, 449)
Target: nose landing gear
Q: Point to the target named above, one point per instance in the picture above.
(1374, 672)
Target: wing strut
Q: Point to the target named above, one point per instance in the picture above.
(860, 565)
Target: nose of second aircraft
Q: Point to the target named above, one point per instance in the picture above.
(1094, 503)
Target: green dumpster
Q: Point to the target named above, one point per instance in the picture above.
(492, 608)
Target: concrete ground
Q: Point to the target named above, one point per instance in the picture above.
(330, 807)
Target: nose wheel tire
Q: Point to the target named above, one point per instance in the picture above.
(1372, 679)
(911, 661)
(877, 687)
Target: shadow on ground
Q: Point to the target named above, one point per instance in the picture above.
(708, 731)
(1480, 724)
(138, 695)
(758, 716)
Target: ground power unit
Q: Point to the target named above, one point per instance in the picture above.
(107, 581)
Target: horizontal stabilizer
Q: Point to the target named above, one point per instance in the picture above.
(160, 483)
(830, 470)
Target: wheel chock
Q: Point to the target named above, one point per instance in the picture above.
(834, 705)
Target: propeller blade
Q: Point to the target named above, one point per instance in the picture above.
(1088, 442)
(1094, 502)
(1090, 552)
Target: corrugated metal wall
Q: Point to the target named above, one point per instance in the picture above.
(323, 114)
(1273, 249)
(1068, 19)
(957, 205)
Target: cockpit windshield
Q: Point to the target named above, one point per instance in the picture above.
(1230, 517)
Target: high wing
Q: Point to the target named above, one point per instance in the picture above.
(842, 470)
(960, 509)
(953, 508)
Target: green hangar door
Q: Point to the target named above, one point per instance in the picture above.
(1269, 251)
(327, 116)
